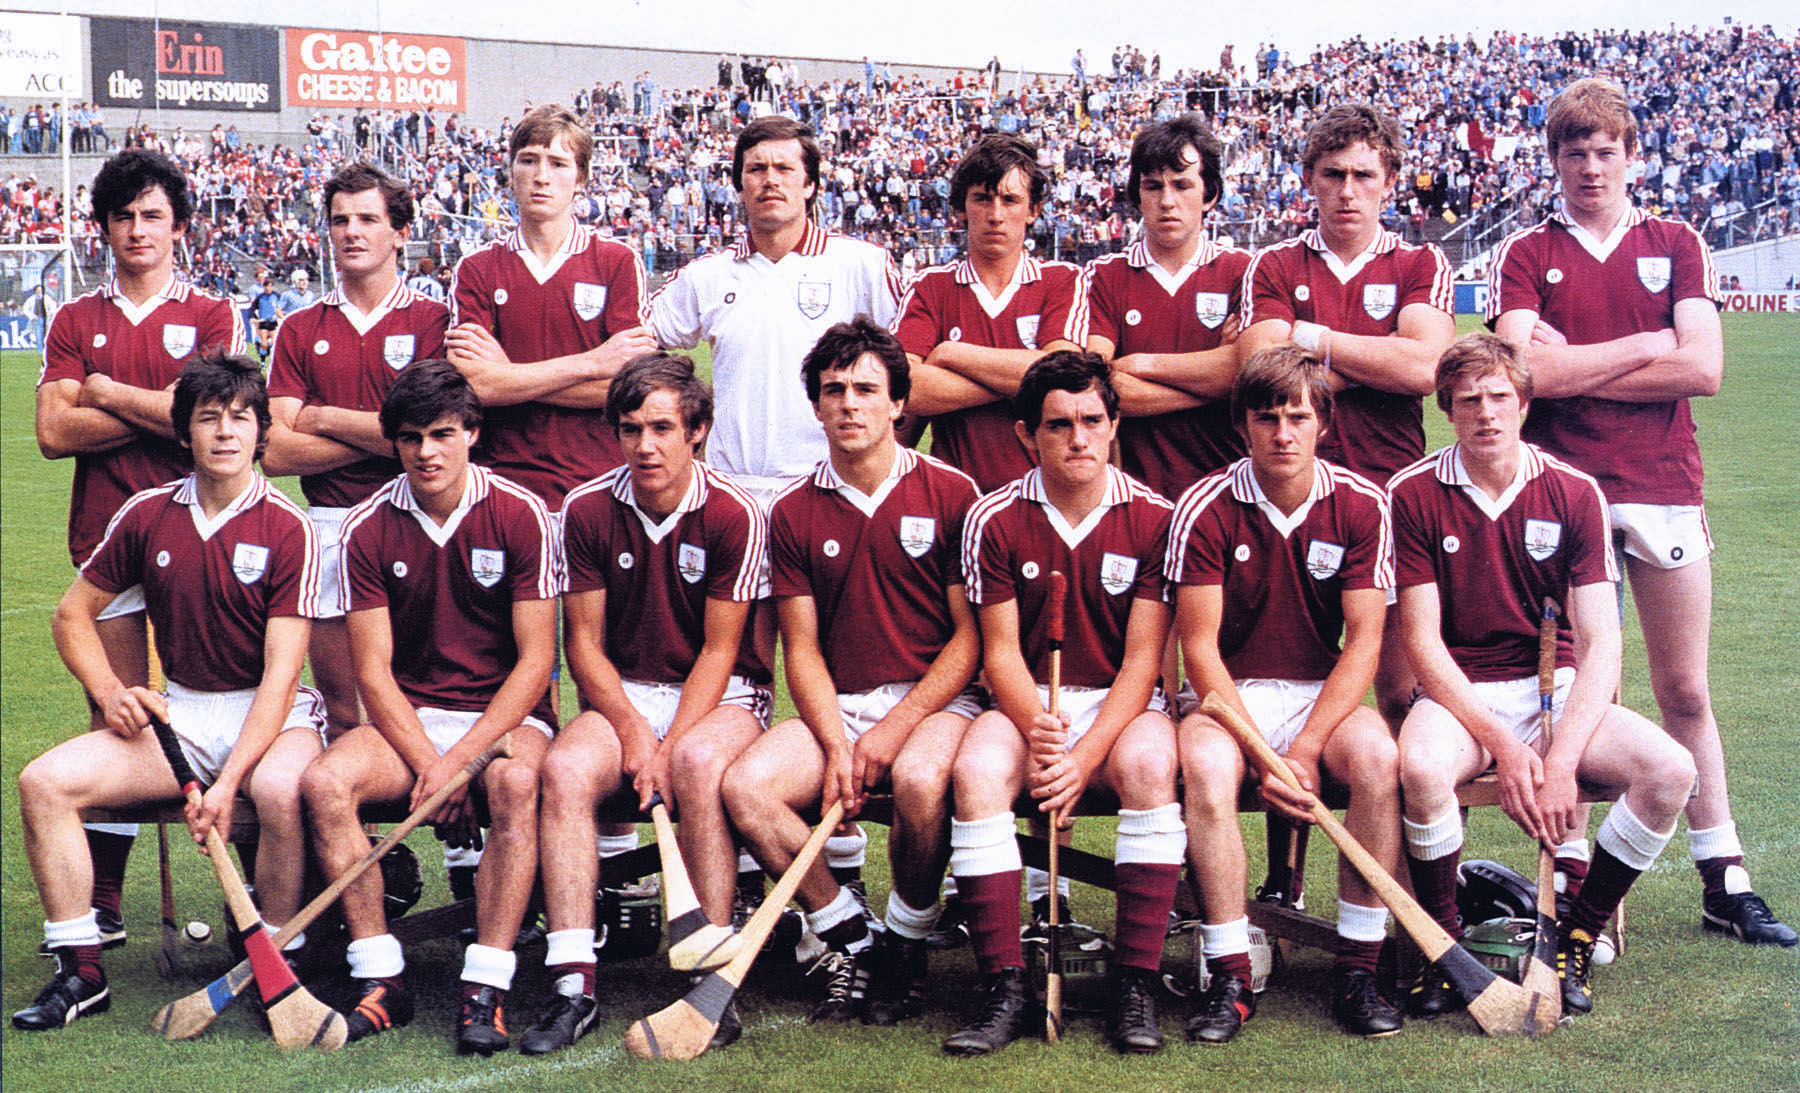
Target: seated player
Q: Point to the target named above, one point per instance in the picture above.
(663, 558)
(865, 558)
(1276, 559)
(450, 575)
(1107, 533)
(1484, 532)
(229, 569)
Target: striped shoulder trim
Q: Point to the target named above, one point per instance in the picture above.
(1195, 500)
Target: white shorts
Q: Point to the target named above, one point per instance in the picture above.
(657, 701)
(1082, 705)
(1515, 703)
(445, 727)
(208, 723)
(128, 602)
(1279, 707)
(864, 711)
(328, 527)
(1666, 536)
(765, 496)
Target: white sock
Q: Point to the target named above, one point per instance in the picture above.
(984, 846)
(1358, 923)
(612, 846)
(377, 957)
(847, 851)
(1625, 837)
(489, 966)
(1037, 885)
(568, 947)
(908, 921)
(80, 930)
(1715, 842)
(1434, 839)
(842, 908)
(1226, 938)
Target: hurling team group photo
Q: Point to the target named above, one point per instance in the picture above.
(670, 492)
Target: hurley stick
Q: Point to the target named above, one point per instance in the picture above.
(190, 1015)
(695, 942)
(1540, 966)
(1499, 1006)
(1059, 591)
(684, 1029)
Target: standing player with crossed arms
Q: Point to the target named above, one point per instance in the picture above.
(333, 364)
(110, 358)
(1617, 315)
(865, 558)
(663, 559)
(1107, 532)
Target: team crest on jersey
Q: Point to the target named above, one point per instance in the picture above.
(1542, 537)
(1323, 559)
(813, 297)
(916, 533)
(1653, 273)
(487, 566)
(1117, 571)
(1212, 309)
(178, 340)
(1379, 300)
(249, 562)
(397, 351)
(1028, 328)
(590, 300)
(691, 561)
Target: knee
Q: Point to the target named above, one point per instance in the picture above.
(324, 790)
(512, 790)
(569, 780)
(1674, 780)
(1424, 776)
(920, 783)
(746, 791)
(1685, 701)
(38, 786)
(1211, 769)
(1147, 772)
(1374, 767)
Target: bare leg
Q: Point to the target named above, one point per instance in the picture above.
(919, 841)
(765, 790)
(697, 771)
(274, 786)
(509, 862)
(580, 770)
(357, 768)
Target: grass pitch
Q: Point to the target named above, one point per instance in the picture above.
(1680, 1011)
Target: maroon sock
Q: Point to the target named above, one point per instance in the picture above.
(586, 970)
(993, 903)
(109, 852)
(1434, 882)
(848, 936)
(1146, 891)
(83, 960)
(1358, 955)
(1712, 872)
(1574, 871)
(1607, 882)
(1230, 966)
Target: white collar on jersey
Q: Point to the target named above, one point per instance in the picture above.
(1024, 273)
(826, 477)
(1118, 491)
(1601, 249)
(398, 297)
(188, 493)
(1451, 471)
(1247, 489)
(1138, 256)
(575, 242)
(1383, 242)
(691, 499)
(176, 289)
(811, 245)
(475, 489)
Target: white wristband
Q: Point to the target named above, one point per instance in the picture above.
(1308, 336)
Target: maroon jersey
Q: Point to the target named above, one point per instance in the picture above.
(1494, 561)
(876, 567)
(949, 304)
(211, 586)
(1374, 433)
(145, 347)
(1015, 538)
(1283, 575)
(450, 589)
(1130, 301)
(1595, 291)
(330, 354)
(593, 289)
(658, 576)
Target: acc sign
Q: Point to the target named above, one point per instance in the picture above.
(342, 68)
(39, 55)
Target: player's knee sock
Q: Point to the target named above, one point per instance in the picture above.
(1147, 868)
(569, 957)
(840, 923)
(984, 855)
(376, 957)
(1226, 948)
(1037, 885)
(908, 921)
(1716, 850)
(486, 966)
(109, 845)
(1433, 851)
(76, 943)
(1360, 932)
(1625, 848)
(845, 854)
(1572, 859)
(461, 863)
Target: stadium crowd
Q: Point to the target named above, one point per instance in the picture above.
(1716, 107)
